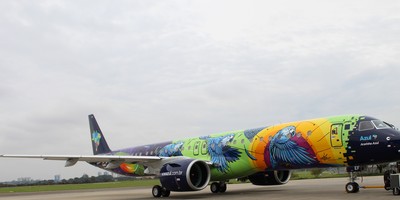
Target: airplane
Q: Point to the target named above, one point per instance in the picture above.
(264, 155)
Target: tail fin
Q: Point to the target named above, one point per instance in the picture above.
(99, 143)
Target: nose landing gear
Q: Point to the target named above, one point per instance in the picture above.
(391, 181)
(352, 186)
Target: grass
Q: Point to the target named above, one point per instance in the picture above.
(42, 188)
(296, 175)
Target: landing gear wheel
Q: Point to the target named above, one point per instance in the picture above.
(352, 187)
(165, 192)
(156, 191)
(222, 187)
(396, 191)
(214, 187)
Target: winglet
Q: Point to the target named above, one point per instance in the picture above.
(99, 143)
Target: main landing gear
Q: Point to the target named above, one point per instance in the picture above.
(159, 191)
(216, 187)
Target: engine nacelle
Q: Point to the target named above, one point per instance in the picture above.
(185, 175)
(270, 177)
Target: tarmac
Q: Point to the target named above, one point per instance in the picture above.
(321, 189)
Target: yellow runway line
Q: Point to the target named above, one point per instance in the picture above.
(372, 186)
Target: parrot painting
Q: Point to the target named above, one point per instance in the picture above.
(288, 149)
(221, 153)
(173, 149)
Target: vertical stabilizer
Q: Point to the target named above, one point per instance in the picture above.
(99, 143)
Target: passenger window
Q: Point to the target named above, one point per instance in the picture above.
(346, 126)
(365, 125)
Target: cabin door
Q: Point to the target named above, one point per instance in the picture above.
(337, 135)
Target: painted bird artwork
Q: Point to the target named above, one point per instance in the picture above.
(288, 149)
(221, 152)
(173, 149)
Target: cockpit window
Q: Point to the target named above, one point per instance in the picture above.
(380, 124)
(391, 126)
(365, 125)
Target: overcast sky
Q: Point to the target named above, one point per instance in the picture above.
(154, 71)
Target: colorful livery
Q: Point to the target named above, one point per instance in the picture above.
(263, 155)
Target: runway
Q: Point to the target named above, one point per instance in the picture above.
(321, 189)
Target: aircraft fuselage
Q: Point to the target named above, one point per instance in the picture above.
(347, 140)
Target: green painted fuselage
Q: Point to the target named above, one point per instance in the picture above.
(346, 140)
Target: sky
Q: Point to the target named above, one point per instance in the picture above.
(154, 71)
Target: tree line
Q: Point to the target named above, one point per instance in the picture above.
(77, 180)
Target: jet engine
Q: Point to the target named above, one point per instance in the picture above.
(270, 177)
(185, 175)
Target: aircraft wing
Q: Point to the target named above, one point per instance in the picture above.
(73, 159)
(153, 163)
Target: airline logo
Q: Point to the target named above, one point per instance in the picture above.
(368, 137)
(96, 136)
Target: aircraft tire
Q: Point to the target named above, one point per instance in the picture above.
(156, 191)
(214, 187)
(352, 187)
(222, 187)
(165, 192)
